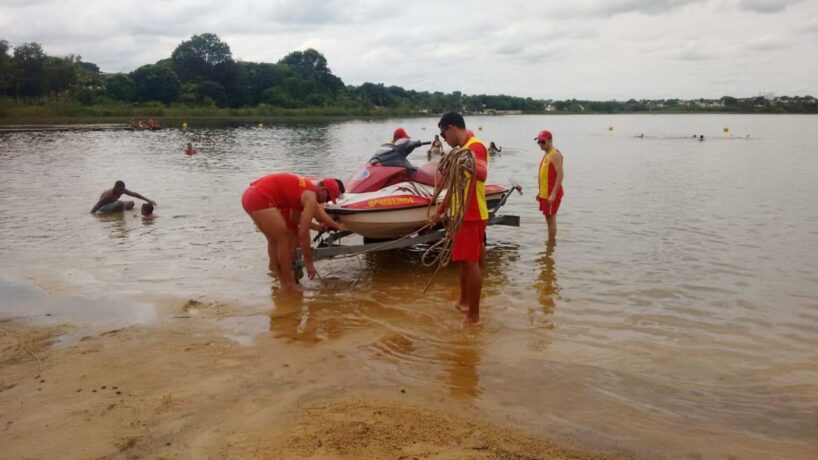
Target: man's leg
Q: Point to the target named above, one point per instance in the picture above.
(552, 228)
(463, 303)
(474, 286)
(274, 227)
(272, 253)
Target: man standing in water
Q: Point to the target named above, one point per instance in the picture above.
(109, 200)
(467, 244)
(550, 179)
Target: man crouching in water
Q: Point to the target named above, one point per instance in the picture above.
(271, 202)
(109, 200)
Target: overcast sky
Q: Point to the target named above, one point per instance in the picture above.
(584, 49)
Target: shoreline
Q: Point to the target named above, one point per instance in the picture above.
(12, 122)
(178, 387)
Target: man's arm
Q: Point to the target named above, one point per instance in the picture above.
(136, 195)
(556, 160)
(97, 206)
(310, 205)
(326, 219)
(480, 161)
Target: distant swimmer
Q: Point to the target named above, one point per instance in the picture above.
(493, 149)
(190, 150)
(701, 138)
(436, 149)
(271, 201)
(147, 211)
(640, 136)
(109, 200)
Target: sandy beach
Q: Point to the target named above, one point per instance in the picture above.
(179, 389)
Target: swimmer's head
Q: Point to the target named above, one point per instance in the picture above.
(147, 209)
(119, 186)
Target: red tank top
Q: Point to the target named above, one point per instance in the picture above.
(284, 190)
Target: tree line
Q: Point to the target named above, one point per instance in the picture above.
(202, 73)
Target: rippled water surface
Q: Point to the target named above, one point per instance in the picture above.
(677, 314)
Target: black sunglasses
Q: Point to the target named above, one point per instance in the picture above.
(541, 142)
(443, 132)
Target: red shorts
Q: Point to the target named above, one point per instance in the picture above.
(253, 201)
(552, 209)
(468, 243)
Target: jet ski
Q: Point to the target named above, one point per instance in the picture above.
(389, 196)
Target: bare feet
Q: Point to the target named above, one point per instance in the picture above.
(472, 322)
(462, 307)
(291, 288)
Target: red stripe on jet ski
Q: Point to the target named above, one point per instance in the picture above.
(389, 202)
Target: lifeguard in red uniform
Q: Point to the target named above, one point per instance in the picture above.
(272, 200)
(468, 244)
(550, 180)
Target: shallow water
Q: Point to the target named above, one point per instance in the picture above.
(677, 315)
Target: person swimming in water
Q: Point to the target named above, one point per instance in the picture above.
(147, 211)
(109, 201)
(436, 149)
(493, 149)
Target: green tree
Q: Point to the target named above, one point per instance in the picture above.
(29, 59)
(729, 103)
(60, 74)
(311, 67)
(199, 57)
(155, 83)
(119, 87)
(8, 70)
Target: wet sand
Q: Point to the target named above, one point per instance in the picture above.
(178, 388)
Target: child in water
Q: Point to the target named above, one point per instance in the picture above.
(147, 211)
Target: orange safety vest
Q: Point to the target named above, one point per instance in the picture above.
(479, 189)
(547, 176)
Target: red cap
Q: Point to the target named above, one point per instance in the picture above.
(399, 134)
(331, 186)
(545, 135)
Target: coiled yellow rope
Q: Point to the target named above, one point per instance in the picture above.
(456, 168)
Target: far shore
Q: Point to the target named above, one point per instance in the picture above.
(176, 121)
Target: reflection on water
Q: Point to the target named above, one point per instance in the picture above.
(547, 284)
(668, 313)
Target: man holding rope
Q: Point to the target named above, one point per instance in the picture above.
(468, 243)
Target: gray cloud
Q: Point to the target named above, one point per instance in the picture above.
(767, 43)
(550, 49)
(766, 6)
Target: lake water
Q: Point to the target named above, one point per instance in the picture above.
(676, 316)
